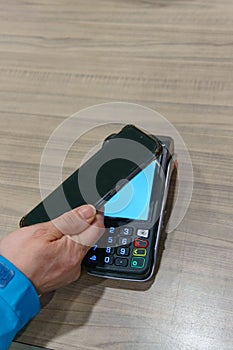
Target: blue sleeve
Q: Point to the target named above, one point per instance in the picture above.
(19, 302)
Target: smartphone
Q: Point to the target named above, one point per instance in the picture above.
(122, 156)
(133, 219)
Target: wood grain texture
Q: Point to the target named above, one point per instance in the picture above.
(175, 56)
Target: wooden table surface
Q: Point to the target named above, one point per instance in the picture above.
(57, 57)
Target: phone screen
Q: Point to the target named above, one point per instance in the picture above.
(133, 200)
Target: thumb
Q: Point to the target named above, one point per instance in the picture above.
(76, 220)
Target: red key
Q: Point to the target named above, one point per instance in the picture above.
(140, 243)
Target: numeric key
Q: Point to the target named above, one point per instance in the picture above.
(124, 241)
(122, 251)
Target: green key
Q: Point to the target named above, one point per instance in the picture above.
(138, 262)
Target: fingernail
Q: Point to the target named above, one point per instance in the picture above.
(87, 211)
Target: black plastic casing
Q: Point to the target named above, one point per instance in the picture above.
(154, 224)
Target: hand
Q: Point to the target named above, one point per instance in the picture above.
(50, 254)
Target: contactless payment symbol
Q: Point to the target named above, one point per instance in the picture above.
(93, 258)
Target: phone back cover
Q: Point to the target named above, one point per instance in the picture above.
(68, 195)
